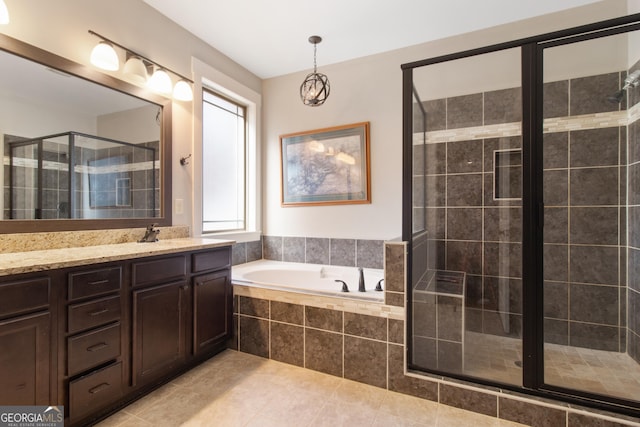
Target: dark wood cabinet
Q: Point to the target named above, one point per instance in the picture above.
(93, 338)
(25, 360)
(159, 330)
(212, 310)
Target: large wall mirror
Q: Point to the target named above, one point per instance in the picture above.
(81, 149)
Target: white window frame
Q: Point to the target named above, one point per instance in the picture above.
(209, 77)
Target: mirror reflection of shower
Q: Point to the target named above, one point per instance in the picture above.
(632, 80)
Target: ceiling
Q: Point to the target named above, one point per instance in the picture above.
(270, 38)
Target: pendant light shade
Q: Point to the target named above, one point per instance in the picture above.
(315, 88)
(4, 13)
(135, 69)
(160, 82)
(104, 56)
(182, 91)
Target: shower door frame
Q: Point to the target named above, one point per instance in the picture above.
(532, 49)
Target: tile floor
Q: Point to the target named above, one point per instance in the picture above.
(597, 371)
(238, 389)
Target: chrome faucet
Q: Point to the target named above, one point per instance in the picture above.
(150, 235)
(361, 280)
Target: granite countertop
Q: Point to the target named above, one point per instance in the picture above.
(26, 262)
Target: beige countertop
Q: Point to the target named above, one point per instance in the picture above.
(26, 262)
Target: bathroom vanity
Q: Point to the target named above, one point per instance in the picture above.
(96, 327)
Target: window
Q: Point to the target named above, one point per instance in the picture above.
(224, 146)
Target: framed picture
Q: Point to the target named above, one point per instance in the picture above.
(326, 166)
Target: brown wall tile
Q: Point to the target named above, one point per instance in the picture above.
(530, 414)
(394, 298)
(581, 420)
(323, 351)
(288, 313)
(396, 331)
(254, 307)
(365, 326)
(254, 336)
(323, 318)
(365, 361)
(394, 268)
(407, 385)
(287, 343)
(469, 400)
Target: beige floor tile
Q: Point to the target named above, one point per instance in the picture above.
(122, 419)
(413, 408)
(384, 419)
(338, 414)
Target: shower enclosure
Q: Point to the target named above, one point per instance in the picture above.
(522, 213)
(75, 175)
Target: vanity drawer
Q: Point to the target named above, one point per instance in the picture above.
(24, 295)
(211, 260)
(88, 315)
(94, 282)
(162, 270)
(95, 391)
(90, 349)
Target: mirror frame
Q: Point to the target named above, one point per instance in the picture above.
(48, 59)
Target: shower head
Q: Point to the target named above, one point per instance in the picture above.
(616, 98)
(632, 79)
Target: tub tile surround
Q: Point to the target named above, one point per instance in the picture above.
(313, 250)
(365, 342)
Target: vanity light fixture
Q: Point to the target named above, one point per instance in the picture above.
(4, 13)
(182, 91)
(104, 56)
(160, 81)
(315, 88)
(137, 67)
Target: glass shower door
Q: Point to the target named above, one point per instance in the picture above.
(591, 180)
(466, 295)
(25, 192)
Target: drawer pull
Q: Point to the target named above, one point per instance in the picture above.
(21, 386)
(99, 282)
(99, 388)
(97, 347)
(98, 312)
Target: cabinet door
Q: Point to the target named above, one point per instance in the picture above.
(212, 310)
(159, 330)
(24, 360)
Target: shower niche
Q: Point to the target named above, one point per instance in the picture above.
(74, 175)
(524, 176)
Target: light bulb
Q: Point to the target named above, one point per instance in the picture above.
(160, 82)
(104, 56)
(182, 91)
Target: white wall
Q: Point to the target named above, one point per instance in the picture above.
(61, 26)
(369, 89)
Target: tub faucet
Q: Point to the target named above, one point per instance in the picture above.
(150, 235)
(345, 288)
(361, 280)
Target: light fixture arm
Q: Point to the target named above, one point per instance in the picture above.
(93, 33)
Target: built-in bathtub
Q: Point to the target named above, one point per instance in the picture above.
(314, 279)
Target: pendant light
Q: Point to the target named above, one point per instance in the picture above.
(315, 88)
(4, 13)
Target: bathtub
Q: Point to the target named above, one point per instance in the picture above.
(308, 278)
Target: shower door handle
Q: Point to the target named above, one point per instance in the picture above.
(541, 215)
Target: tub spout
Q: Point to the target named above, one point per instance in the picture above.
(361, 280)
(345, 288)
(379, 285)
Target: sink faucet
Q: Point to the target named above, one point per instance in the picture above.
(150, 235)
(361, 280)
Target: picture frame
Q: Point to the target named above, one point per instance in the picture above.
(329, 166)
